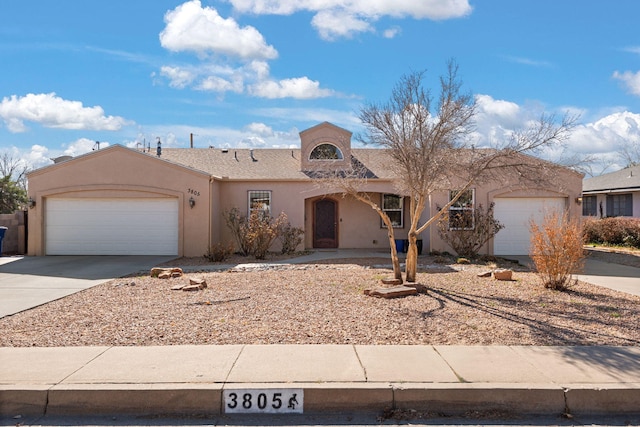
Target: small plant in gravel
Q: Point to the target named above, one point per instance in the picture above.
(556, 249)
(219, 252)
(290, 237)
(469, 236)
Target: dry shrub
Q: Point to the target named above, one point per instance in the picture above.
(556, 249)
(477, 230)
(219, 252)
(613, 231)
(290, 237)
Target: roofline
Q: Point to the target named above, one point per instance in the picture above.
(111, 148)
(612, 190)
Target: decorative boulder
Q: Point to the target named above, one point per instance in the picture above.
(503, 274)
(393, 292)
(166, 273)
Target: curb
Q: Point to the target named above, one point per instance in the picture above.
(322, 398)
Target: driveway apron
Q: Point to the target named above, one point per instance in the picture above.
(27, 282)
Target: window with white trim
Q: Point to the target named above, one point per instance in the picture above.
(393, 206)
(461, 213)
(260, 200)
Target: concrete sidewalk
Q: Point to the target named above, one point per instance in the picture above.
(176, 380)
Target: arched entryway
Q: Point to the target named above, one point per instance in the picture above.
(325, 223)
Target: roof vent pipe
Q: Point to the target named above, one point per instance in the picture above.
(252, 158)
(235, 155)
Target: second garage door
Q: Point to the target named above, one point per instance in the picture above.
(515, 214)
(111, 226)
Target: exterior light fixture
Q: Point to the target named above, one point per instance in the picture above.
(31, 203)
(578, 200)
(192, 202)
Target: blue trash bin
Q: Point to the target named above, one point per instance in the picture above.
(399, 245)
(2, 231)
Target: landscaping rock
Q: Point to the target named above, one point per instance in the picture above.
(503, 274)
(393, 292)
(177, 287)
(391, 281)
(485, 274)
(166, 273)
(198, 282)
(192, 288)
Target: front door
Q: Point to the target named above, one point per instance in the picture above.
(325, 223)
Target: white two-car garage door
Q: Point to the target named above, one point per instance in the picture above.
(515, 214)
(111, 226)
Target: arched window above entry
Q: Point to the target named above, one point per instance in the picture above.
(326, 152)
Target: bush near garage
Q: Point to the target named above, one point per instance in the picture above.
(615, 231)
(557, 249)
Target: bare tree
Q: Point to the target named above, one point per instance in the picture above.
(429, 150)
(13, 183)
(631, 154)
(14, 168)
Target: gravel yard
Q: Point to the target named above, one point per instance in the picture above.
(324, 303)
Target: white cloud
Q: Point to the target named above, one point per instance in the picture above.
(37, 157)
(357, 15)
(82, 146)
(260, 129)
(392, 32)
(333, 24)
(630, 80)
(178, 77)
(240, 61)
(252, 142)
(52, 111)
(219, 84)
(299, 88)
(190, 27)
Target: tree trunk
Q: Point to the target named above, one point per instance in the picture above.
(397, 272)
(412, 258)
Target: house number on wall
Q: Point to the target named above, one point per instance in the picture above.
(194, 192)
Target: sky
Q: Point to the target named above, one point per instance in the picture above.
(79, 75)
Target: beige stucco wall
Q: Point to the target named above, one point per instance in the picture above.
(359, 225)
(118, 172)
(568, 185)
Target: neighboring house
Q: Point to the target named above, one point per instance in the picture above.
(122, 201)
(612, 194)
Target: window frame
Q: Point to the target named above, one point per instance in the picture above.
(614, 208)
(339, 153)
(258, 194)
(590, 205)
(387, 210)
(464, 208)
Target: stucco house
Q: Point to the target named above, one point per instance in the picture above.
(123, 201)
(612, 194)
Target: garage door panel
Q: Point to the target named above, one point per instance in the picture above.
(111, 226)
(515, 214)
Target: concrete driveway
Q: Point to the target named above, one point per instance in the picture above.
(618, 277)
(27, 282)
